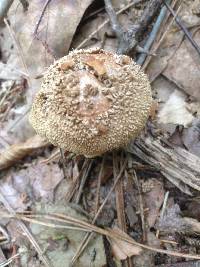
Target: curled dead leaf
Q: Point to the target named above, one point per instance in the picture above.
(122, 249)
(18, 151)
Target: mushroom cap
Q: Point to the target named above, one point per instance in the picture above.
(91, 101)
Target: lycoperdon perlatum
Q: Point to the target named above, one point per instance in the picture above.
(92, 101)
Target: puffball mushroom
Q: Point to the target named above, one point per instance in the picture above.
(92, 101)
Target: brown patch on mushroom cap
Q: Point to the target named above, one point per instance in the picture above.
(92, 101)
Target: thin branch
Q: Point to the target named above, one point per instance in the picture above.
(141, 206)
(183, 28)
(101, 26)
(117, 28)
(131, 37)
(19, 49)
(157, 45)
(83, 181)
(153, 34)
(41, 16)
(99, 184)
(62, 154)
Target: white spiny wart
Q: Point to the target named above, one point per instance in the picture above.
(92, 101)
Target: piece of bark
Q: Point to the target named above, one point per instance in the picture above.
(178, 165)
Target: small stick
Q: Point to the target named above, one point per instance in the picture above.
(183, 28)
(119, 192)
(117, 28)
(119, 197)
(141, 206)
(153, 34)
(83, 180)
(72, 190)
(161, 39)
(41, 16)
(101, 26)
(19, 49)
(63, 163)
(163, 210)
(99, 184)
(88, 236)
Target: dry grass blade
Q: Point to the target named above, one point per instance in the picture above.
(9, 261)
(110, 233)
(25, 231)
(99, 185)
(88, 236)
(83, 181)
(163, 210)
(141, 206)
(18, 151)
(74, 186)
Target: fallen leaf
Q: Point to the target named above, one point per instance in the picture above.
(61, 244)
(173, 222)
(191, 137)
(185, 60)
(16, 152)
(175, 110)
(122, 249)
(153, 201)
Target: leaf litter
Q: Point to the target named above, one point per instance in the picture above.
(165, 158)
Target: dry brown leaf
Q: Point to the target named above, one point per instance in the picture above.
(175, 110)
(154, 199)
(183, 68)
(54, 34)
(18, 151)
(122, 249)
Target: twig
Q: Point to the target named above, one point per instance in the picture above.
(27, 233)
(63, 163)
(163, 210)
(117, 28)
(83, 180)
(106, 22)
(131, 37)
(41, 16)
(119, 196)
(141, 206)
(157, 45)
(153, 34)
(4, 7)
(119, 192)
(19, 49)
(99, 184)
(87, 237)
(72, 190)
(183, 28)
